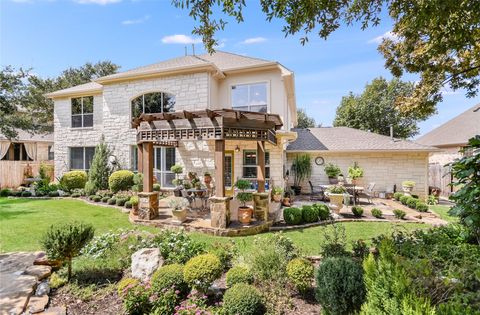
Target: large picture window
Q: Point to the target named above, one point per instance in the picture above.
(157, 102)
(250, 164)
(82, 112)
(250, 97)
(81, 158)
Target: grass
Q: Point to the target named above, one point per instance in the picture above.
(23, 222)
(442, 211)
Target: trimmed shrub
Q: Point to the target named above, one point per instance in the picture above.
(340, 287)
(293, 215)
(323, 211)
(111, 201)
(54, 194)
(202, 270)
(5, 192)
(377, 213)
(105, 199)
(243, 299)
(238, 274)
(156, 187)
(75, 195)
(357, 211)
(97, 198)
(120, 202)
(167, 277)
(26, 193)
(90, 188)
(225, 252)
(404, 199)
(397, 196)
(120, 180)
(74, 180)
(56, 281)
(125, 283)
(91, 197)
(300, 273)
(136, 299)
(128, 205)
(412, 202)
(399, 214)
(422, 207)
(309, 214)
(17, 193)
(177, 246)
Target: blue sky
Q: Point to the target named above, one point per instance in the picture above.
(50, 36)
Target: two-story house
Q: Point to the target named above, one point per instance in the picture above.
(107, 106)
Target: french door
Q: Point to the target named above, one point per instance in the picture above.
(229, 173)
(163, 160)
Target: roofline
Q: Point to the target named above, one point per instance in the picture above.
(446, 145)
(263, 66)
(365, 151)
(21, 140)
(78, 93)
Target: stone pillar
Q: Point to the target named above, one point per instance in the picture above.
(261, 166)
(220, 211)
(147, 205)
(219, 168)
(261, 205)
(147, 164)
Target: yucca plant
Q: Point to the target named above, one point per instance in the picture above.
(301, 169)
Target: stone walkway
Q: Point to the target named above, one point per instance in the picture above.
(24, 285)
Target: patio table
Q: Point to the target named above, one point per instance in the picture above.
(357, 189)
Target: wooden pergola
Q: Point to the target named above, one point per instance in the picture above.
(167, 129)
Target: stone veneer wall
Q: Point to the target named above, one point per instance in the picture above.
(381, 168)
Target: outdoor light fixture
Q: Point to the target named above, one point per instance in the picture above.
(237, 148)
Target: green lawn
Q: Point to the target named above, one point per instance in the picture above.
(442, 211)
(23, 221)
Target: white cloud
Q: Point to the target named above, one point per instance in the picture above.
(379, 39)
(180, 39)
(253, 40)
(221, 44)
(136, 21)
(100, 2)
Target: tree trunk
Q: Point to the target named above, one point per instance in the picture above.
(69, 268)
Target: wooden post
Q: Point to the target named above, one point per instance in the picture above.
(147, 164)
(261, 166)
(140, 157)
(220, 168)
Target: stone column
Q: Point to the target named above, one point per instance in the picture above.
(219, 168)
(261, 206)
(147, 205)
(220, 211)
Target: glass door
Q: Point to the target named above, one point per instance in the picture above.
(229, 176)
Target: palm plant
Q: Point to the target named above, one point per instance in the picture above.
(301, 169)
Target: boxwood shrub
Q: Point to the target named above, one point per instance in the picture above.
(412, 202)
(74, 180)
(399, 214)
(421, 207)
(300, 274)
(105, 199)
(397, 195)
(292, 215)
(202, 270)
(111, 201)
(167, 277)
(404, 199)
(75, 195)
(377, 213)
(323, 211)
(243, 299)
(97, 198)
(128, 205)
(26, 193)
(357, 211)
(120, 202)
(309, 214)
(53, 194)
(5, 192)
(120, 180)
(238, 274)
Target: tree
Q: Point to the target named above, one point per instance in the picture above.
(303, 120)
(437, 39)
(376, 109)
(100, 169)
(22, 101)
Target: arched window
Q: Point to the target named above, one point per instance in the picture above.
(156, 102)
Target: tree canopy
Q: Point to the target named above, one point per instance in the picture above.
(303, 120)
(437, 39)
(375, 109)
(22, 104)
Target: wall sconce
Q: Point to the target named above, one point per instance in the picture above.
(237, 148)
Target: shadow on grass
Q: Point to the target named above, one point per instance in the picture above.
(97, 276)
(7, 214)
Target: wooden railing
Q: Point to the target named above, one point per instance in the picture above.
(12, 172)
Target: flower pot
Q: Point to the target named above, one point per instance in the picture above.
(135, 209)
(336, 202)
(286, 202)
(179, 215)
(207, 179)
(407, 190)
(245, 215)
(333, 180)
(277, 198)
(297, 190)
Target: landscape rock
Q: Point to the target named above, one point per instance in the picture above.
(41, 272)
(57, 310)
(145, 261)
(37, 304)
(43, 288)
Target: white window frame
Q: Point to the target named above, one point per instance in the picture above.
(83, 113)
(255, 165)
(267, 83)
(143, 101)
(84, 159)
(161, 173)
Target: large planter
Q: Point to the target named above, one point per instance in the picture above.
(333, 180)
(179, 216)
(245, 215)
(297, 190)
(407, 190)
(336, 202)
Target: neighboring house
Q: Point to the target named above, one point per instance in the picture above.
(82, 114)
(22, 156)
(386, 161)
(450, 138)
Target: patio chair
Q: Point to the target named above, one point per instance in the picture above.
(368, 193)
(316, 194)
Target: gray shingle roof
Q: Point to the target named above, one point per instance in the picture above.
(349, 139)
(26, 136)
(456, 131)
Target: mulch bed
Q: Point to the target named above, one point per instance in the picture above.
(109, 303)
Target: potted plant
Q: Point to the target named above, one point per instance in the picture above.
(287, 197)
(301, 169)
(335, 193)
(179, 207)
(244, 212)
(332, 172)
(134, 202)
(277, 192)
(408, 186)
(177, 169)
(207, 178)
(355, 172)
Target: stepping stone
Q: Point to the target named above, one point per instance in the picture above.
(37, 304)
(41, 272)
(57, 310)
(14, 303)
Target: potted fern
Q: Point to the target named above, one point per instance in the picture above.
(244, 212)
(355, 172)
(332, 172)
(301, 169)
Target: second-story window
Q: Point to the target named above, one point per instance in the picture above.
(157, 102)
(82, 112)
(250, 97)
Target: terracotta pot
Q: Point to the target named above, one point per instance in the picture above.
(135, 209)
(286, 202)
(245, 215)
(207, 179)
(336, 202)
(277, 198)
(179, 216)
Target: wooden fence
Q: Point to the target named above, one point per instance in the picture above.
(439, 176)
(11, 172)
